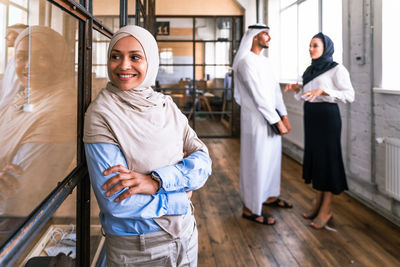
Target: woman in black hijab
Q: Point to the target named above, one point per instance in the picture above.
(325, 82)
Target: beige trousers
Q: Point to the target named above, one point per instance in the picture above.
(155, 249)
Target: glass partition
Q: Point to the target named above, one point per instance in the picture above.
(38, 109)
(195, 68)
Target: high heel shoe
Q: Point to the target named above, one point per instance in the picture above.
(309, 215)
(318, 224)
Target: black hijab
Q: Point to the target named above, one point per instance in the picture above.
(323, 63)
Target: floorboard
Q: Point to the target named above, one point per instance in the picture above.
(362, 237)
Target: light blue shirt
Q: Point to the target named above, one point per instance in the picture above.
(134, 215)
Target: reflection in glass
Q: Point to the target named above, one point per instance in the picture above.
(10, 82)
(38, 124)
(16, 15)
(20, 2)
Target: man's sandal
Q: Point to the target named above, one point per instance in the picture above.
(253, 217)
(280, 203)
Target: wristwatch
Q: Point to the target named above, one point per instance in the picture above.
(156, 178)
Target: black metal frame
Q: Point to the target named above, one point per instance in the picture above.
(11, 249)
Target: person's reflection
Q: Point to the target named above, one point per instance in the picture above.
(38, 143)
(10, 83)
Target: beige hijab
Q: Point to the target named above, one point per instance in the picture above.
(147, 126)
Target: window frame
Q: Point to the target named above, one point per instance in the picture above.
(377, 50)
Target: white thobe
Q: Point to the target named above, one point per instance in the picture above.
(259, 94)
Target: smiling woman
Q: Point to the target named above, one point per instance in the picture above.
(135, 141)
(128, 64)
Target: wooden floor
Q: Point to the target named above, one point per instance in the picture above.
(363, 238)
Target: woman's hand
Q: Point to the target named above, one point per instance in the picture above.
(282, 128)
(286, 122)
(311, 95)
(138, 183)
(8, 182)
(292, 87)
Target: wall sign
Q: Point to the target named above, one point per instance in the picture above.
(162, 27)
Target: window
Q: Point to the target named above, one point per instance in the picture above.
(293, 24)
(390, 69)
(166, 60)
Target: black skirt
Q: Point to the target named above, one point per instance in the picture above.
(323, 162)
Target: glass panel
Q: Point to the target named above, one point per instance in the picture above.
(308, 27)
(213, 53)
(178, 84)
(179, 28)
(112, 22)
(3, 45)
(214, 29)
(179, 77)
(38, 122)
(20, 2)
(58, 231)
(17, 15)
(202, 75)
(107, 11)
(206, 29)
(239, 29)
(181, 52)
(183, 97)
(99, 62)
(201, 53)
(285, 3)
(212, 72)
(213, 48)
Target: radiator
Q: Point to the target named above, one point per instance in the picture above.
(392, 179)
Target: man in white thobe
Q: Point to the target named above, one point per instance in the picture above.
(258, 93)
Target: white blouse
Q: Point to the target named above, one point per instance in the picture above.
(335, 82)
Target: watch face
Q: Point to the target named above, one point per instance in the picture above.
(156, 178)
